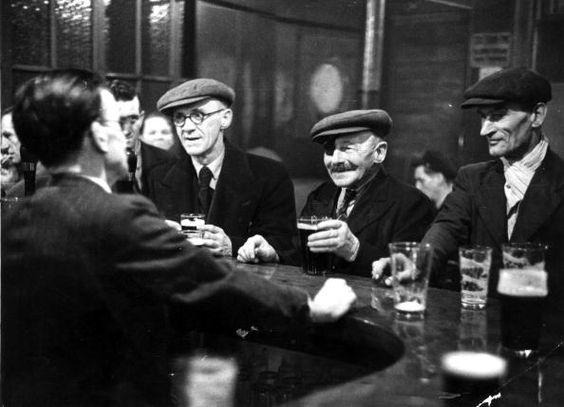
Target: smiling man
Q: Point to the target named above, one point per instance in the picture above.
(519, 195)
(248, 200)
(368, 207)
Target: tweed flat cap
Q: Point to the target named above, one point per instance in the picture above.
(193, 91)
(353, 121)
(520, 85)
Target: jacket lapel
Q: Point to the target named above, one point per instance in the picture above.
(492, 202)
(235, 189)
(544, 195)
(373, 203)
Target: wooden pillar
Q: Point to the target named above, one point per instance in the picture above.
(373, 51)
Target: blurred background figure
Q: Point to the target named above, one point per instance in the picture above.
(434, 174)
(9, 171)
(157, 130)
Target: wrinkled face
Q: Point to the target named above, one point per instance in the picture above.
(348, 158)
(204, 140)
(508, 130)
(431, 184)
(9, 132)
(157, 132)
(8, 171)
(129, 119)
(115, 158)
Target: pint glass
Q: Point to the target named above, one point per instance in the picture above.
(189, 222)
(312, 263)
(522, 294)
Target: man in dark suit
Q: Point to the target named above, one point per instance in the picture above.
(88, 276)
(248, 200)
(370, 208)
(141, 157)
(519, 195)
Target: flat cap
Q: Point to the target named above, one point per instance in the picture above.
(353, 121)
(521, 85)
(193, 91)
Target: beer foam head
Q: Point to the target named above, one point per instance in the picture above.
(523, 282)
(473, 365)
(306, 226)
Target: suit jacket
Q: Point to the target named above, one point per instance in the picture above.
(253, 195)
(87, 281)
(151, 156)
(475, 213)
(387, 211)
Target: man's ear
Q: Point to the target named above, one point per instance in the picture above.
(226, 118)
(98, 137)
(380, 152)
(539, 114)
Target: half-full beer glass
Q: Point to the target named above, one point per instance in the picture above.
(522, 294)
(189, 222)
(312, 263)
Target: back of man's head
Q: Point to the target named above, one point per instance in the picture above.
(122, 90)
(54, 110)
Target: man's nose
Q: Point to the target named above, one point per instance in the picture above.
(338, 156)
(487, 127)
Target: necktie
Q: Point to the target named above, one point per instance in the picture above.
(205, 193)
(350, 194)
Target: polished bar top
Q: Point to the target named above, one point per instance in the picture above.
(414, 379)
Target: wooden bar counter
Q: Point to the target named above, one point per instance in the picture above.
(372, 359)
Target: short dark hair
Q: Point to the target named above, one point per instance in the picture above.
(7, 110)
(54, 110)
(436, 162)
(122, 90)
(156, 113)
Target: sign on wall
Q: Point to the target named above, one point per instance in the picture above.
(490, 50)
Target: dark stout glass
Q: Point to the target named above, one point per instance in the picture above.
(469, 378)
(312, 263)
(522, 293)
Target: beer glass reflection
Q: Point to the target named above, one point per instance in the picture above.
(522, 294)
(312, 263)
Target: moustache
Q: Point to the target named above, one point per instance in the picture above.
(342, 167)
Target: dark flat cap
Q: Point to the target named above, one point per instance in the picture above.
(353, 121)
(519, 85)
(194, 91)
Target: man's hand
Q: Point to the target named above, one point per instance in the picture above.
(404, 269)
(334, 236)
(332, 301)
(256, 249)
(173, 224)
(216, 240)
(381, 270)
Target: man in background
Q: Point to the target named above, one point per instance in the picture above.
(248, 200)
(88, 276)
(370, 208)
(141, 157)
(434, 174)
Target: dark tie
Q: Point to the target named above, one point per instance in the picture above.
(350, 194)
(205, 192)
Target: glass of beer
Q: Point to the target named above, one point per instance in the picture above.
(471, 378)
(410, 263)
(189, 222)
(522, 294)
(475, 262)
(312, 263)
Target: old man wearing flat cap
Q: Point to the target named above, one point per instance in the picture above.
(368, 207)
(248, 200)
(519, 195)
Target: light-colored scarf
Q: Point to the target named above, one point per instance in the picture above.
(518, 176)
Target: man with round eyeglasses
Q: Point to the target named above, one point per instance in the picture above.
(248, 200)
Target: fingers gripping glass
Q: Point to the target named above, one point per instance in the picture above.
(195, 117)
